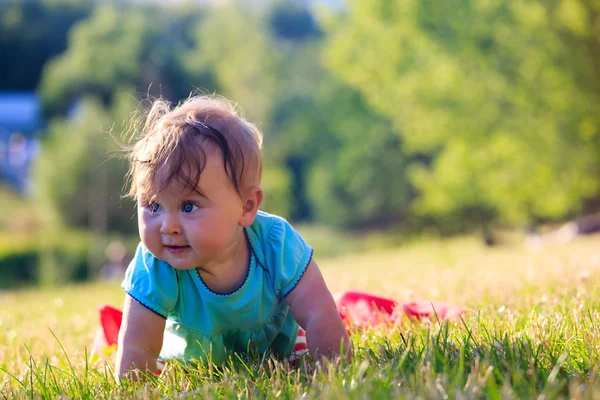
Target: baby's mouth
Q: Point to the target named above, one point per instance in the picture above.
(176, 249)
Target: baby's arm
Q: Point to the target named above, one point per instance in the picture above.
(313, 307)
(140, 339)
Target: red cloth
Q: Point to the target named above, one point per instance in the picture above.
(357, 309)
(360, 309)
(110, 321)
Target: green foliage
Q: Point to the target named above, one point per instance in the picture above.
(31, 32)
(64, 256)
(315, 163)
(119, 48)
(19, 260)
(359, 180)
(52, 258)
(296, 136)
(23, 216)
(293, 21)
(242, 61)
(104, 54)
(440, 117)
(79, 174)
(504, 118)
(277, 191)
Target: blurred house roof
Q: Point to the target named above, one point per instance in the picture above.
(20, 111)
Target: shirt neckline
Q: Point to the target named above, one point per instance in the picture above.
(234, 294)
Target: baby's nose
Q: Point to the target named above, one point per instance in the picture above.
(170, 225)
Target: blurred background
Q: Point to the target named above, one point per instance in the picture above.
(385, 121)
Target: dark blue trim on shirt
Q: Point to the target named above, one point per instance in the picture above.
(145, 305)
(312, 251)
(230, 293)
(251, 255)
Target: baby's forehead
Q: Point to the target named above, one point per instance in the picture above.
(181, 178)
(176, 186)
(183, 175)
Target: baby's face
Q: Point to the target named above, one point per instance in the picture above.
(188, 230)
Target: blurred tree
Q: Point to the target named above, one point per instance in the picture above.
(298, 135)
(293, 21)
(79, 182)
(359, 180)
(340, 154)
(31, 32)
(79, 173)
(327, 154)
(243, 61)
(503, 96)
(122, 48)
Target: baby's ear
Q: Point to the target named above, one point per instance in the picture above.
(252, 201)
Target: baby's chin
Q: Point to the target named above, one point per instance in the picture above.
(179, 264)
(171, 259)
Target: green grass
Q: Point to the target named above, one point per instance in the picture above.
(532, 330)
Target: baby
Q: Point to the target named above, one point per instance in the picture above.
(214, 275)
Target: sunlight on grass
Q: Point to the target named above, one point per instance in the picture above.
(532, 330)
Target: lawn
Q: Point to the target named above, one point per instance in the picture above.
(531, 330)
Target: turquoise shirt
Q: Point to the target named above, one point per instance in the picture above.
(201, 322)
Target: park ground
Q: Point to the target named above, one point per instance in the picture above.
(531, 330)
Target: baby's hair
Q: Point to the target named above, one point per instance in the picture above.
(178, 139)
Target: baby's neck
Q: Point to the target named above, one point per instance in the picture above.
(229, 276)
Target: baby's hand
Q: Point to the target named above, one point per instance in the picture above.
(140, 341)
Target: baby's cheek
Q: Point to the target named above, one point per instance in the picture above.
(148, 234)
(142, 220)
(210, 241)
(148, 221)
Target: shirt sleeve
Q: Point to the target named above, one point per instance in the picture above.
(151, 282)
(289, 255)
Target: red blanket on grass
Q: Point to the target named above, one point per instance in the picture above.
(360, 310)
(357, 309)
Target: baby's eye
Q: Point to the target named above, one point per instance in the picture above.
(188, 207)
(154, 207)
